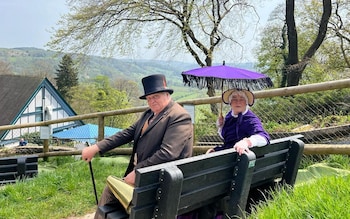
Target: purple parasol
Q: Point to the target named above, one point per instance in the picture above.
(227, 76)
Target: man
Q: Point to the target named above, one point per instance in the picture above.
(22, 142)
(163, 133)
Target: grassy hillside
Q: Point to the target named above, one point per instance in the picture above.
(33, 61)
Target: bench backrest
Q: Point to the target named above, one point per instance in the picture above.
(14, 168)
(178, 187)
(278, 160)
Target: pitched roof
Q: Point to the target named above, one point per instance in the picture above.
(15, 91)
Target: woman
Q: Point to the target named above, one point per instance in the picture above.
(241, 128)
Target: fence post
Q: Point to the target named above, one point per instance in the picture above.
(101, 125)
(46, 149)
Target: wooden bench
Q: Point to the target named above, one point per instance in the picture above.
(178, 187)
(17, 168)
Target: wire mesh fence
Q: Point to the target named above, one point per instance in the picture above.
(322, 117)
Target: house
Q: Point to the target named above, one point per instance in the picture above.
(28, 99)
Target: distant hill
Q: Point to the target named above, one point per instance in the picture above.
(27, 61)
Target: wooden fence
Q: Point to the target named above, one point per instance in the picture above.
(309, 149)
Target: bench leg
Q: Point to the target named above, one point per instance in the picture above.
(103, 211)
(111, 212)
(117, 215)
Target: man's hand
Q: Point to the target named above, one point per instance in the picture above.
(89, 152)
(130, 178)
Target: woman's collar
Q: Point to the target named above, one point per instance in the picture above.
(243, 113)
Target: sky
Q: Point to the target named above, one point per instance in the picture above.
(29, 23)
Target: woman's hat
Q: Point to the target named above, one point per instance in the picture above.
(226, 95)
(154, 84)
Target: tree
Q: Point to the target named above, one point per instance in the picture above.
(339, 28)
(294, 67)
(131, 88)
(67, 76)
(332, 57)
(287, 47)
(201, 28)
(99, 96)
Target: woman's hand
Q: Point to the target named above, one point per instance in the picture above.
(242, 146)
(220, 121)
(210, 150)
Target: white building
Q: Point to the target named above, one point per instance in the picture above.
(27, 99)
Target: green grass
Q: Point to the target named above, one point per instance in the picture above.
(321, 191)
(326, 197)
(62, 188)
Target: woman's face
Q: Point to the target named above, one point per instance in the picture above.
(238, 103)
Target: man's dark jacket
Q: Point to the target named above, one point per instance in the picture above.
(169, 137)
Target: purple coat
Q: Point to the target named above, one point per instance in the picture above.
(244, 126)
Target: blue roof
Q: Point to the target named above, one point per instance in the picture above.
(85, 133)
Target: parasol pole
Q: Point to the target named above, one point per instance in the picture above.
(222, 90)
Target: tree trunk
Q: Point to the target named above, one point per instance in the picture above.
(293, 67)
(211, 93)
(292, 35)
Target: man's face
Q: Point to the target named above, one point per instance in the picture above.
(158, 101)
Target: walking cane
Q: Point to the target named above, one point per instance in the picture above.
(92, 177)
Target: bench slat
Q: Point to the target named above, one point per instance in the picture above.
(270, 149)
(204, 178)
(7, 161)
(270, 159)
(8, 168)
(8, 175)
(147, 195)
(264, 175)
(203, 196)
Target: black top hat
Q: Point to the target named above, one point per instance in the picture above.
(154, 84)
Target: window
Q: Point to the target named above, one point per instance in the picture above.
(38, 114)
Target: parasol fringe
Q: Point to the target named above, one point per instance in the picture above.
(247, 84)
